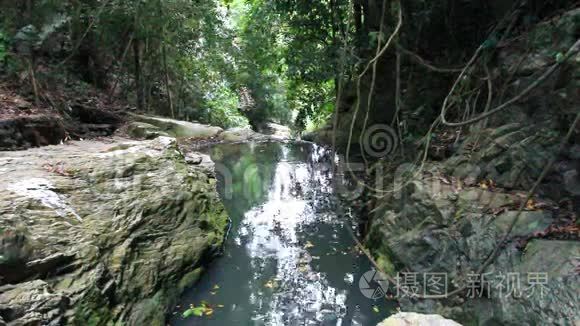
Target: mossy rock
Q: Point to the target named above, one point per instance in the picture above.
(127, 232)
(144, 130)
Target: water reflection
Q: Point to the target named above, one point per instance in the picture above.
(289, 259)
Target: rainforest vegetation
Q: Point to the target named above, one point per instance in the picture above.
(236, 62)
(462, 118)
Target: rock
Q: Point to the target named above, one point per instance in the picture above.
(143, 130)
(428, 228)
(553, 302)
(453, 230)
(540, 257)
(477, 199)
(575, 152)
(111, 236)
(242, 135)
(414, 319)
(31, 131)
(276, 130)
(528, 222)
(91, 115)
(572, 182)
(179, 129)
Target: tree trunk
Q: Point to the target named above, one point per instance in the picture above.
(358, 12)
(138, 79)
(169, 97)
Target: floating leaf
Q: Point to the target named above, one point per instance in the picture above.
(459, 184)
(188, 313)
(483, 185)
(530, 205)
(308, 245)
(376, 309)
(198, 311)
(271, 284)
(203, 309)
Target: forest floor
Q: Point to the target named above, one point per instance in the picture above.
(55, 110)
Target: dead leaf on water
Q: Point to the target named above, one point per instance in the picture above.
(271, 284)
(531, 205)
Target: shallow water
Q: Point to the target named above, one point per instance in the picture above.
(289, 258)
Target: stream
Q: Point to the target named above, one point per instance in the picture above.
(289, 258)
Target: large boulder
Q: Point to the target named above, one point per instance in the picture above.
(434, 227)
(414, 319)
(235, 135)
(96, 233)
(275, 130)
(142, 130)
(178, 128)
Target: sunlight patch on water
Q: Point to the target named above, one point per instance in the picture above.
(269, 233)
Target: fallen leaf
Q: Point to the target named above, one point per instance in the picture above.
(483, 185)
(308, 245)
(188, 313)
(271, 284)
(459, 184)
(198, 311)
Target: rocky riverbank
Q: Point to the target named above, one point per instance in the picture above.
(99, 232)
(450, 216)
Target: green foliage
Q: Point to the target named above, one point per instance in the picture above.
(289, 58)
(222, 109)
(197, 57)
(3, 47)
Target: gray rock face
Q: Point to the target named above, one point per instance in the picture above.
(144, 130)
(97, 233)
(436, 228)
(275, 130)
(148, 127)
(453, 228)
(242, 135)
(178, 128)
(414, 319)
